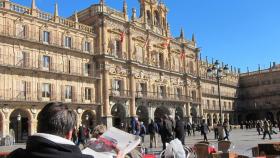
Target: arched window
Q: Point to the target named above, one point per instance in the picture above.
(157, 18)
(149, 18)
(139, 53)
(191, 67)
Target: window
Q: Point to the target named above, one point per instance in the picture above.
(117, 48)
(88, 94)
(139, 54)
(46, 62)
(116, 85)
(142, 89)
(161, 61)
(87, 47)
(46, 37)
(20, 59)
(22, 91)
(86, 69)
(21, 31)
(162, 91)
(214, 104)
(178, 92)
(208, 104)
(68, 92)
(46, 90)
(68, 42)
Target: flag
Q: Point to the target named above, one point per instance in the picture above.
(166, 43)
(122, 36)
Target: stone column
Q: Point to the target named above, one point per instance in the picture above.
(106, 103)
(211, 119)
(188, 112)
(132, 92)
(33, 125)
(6, 124)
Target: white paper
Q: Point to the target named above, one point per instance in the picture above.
(104, 146)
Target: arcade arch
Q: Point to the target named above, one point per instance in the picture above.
(118, 113)
(20, 125)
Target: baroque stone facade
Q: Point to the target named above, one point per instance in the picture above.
(105, 66)
(259, 95)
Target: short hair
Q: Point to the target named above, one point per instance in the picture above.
(57, 119)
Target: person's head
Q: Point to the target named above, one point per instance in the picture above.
(57, 119)
(98, 131)
(152, 121)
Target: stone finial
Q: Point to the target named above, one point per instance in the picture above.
(76, 17)
(133, 17)
(102, 2)
(193, 38)
(182, 35)
(124, 7)
(56, 10)
(33, 5)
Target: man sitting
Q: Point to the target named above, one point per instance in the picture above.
(53, 140)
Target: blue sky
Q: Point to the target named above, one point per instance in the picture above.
(242, 33)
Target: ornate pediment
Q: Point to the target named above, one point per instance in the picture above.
(141, 75)
(118, 71)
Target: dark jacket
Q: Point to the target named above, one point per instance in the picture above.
(39, 147)
(180, 130)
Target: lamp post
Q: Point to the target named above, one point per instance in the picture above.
(218, 72)
(18, 127)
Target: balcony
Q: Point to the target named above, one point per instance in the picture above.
(7, 95)
(210, 92)
(12, 61)
(35, 36)
(162, 97)
(45, 16)
(121, 94)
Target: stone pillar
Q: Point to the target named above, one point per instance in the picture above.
(201, 111)
(132, 92)
(188, 112)
(211, 119)
(33, 125)
(106, 103)
(5, 126)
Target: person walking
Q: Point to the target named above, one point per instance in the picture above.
(142, 131)
(226, 129)
(193, 128)
(204, 130)
(81, 135)
(266, 130)
(153, 130)
(215, 127)
(258, 126)
(166, 131)
(189, 129)
(180, 129)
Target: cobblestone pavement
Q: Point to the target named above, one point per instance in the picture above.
(243, 141)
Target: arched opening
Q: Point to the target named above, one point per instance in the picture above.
(149, 17)
(157, 18)
(269, 116)
(88, 119)
(1, 125)
(20, 126)
(160, 112)
(118, 113)
(194, 114)
(143, 115)
(179, 112)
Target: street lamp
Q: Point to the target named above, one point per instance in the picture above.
(218, 72)
(18, 127)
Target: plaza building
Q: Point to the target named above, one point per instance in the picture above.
(259, 95)
(106, 66)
